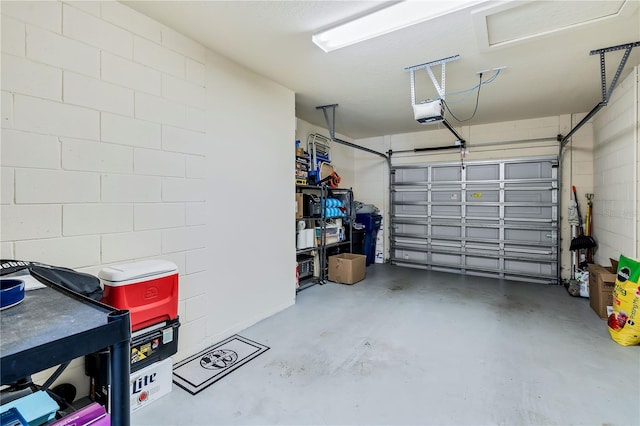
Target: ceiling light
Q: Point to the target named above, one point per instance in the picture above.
(395, 17)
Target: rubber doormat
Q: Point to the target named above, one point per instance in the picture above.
(201, 370)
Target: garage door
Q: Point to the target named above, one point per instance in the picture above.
(490, 218)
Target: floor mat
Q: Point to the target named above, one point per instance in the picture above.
(201, 370)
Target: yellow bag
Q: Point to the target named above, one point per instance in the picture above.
(624, 322)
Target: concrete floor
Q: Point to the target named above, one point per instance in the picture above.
(413, 347)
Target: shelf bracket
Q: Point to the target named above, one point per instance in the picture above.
(440, 86)
(331, 124)
(606, 93)
(332, 131)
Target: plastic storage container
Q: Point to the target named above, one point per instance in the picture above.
(148, 289)
(154, 344)
(305, 265)
(371, 224)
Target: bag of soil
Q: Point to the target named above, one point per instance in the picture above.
(624, 322)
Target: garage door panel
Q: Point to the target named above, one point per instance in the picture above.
(446, 211)
(412, 229)
(482, 172)
(533, 254)
(410, 209)
(413, 175)
(482, 232)
(446, 196)
(411, 255)
(483, 211)
(446, 173)
(445, 231)
(528, 235)
(497, 218)
(514, 196)
(411, 245)
(446, 259)
(410, 202)
(445, 243)
(482, 195)
(482, 245)
(410, 197)
(482, 262)
(527, 212)
(517, 266)
(527, 170)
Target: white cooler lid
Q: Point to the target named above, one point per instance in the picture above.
(135, 270)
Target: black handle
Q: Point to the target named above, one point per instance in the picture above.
(575, 196)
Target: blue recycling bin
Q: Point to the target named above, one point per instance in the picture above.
(371, 224)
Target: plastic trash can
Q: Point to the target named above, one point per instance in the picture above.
(371, 224)
(358, 240)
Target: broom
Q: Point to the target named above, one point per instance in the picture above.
(581, 241)
(588, 224)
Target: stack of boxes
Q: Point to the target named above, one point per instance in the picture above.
(149, 290)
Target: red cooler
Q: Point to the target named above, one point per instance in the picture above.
(148, 289)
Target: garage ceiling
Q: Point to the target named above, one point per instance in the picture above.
(544, 45)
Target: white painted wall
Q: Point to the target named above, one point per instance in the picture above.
(251, 203)
(124, 140)
(616, 221)
(372, 176)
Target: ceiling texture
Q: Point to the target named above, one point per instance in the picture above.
(544, 46)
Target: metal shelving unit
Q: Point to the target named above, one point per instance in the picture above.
(346, 196)
(316, 250)
(321, 250)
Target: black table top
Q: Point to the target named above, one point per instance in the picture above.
(51, 326)
(46, 315)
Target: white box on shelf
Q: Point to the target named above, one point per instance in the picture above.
(150, 383)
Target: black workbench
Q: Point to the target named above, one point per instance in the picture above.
(52, 326)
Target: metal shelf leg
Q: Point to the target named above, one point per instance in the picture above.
(120, 376)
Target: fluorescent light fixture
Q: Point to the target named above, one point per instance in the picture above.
(395, 17)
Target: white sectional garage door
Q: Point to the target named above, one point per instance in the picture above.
(490, 218)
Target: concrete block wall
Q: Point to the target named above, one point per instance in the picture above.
(616, 173)
(111, 126)
(101, 155)
(89, 141)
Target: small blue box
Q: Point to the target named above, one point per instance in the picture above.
(36, 408)
(12, 417)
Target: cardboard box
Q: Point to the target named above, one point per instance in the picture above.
(347, 268)
(601, 283)
(150, 383)
(299, 208)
